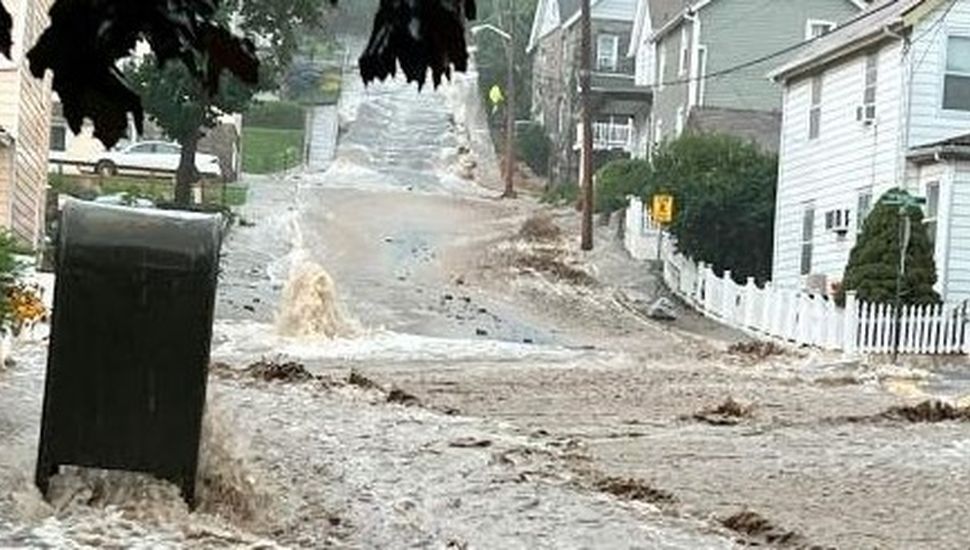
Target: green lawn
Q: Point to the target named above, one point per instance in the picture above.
(156, 189)
(269, 150)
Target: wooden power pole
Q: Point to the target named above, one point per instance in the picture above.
(586, 117)
(510, 105)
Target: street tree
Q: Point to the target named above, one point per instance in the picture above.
(185, 108)
(875, 259)
(87, 38)
(724, 200)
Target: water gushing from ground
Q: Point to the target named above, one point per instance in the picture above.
(310, 306)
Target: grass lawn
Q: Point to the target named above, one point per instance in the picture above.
(269, 150)
(156, 189)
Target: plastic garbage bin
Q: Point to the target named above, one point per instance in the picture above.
(129, 345)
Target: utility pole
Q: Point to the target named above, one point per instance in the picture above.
(586, 156)
(510, 25)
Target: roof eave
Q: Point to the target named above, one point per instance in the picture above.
(788, 72)
(935, 152)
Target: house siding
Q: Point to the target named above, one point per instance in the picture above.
(830, 171)
(929, 122)
(669, 96)
(956, 267)
(32, 137)
(619, 10)
(765, 30)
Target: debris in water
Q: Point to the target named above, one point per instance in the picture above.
(361, 381)
(269, 371)
(470, 443)
(662, 310)
(925, 412)
(634, 489)
(401, 397)
(756, 349)
(550, 263)
(729, 413)
(309, 306)
(540, 228)
(753, 525)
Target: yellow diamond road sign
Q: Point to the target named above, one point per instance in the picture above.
(663, 209)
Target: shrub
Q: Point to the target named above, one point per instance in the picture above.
(10, 269)
(561, 194)
(724, 200)
(619, 179)
(280, 115)
(874, 260)
(533, 147)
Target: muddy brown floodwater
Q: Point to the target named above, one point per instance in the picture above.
(398, 363)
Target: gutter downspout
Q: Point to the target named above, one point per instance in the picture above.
(905, 106)
(692, 86)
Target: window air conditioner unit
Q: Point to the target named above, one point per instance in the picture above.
(866, 114)
(837, 221)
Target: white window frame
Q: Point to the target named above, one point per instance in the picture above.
(658, 132)
(871, 82)
(816, 89)
(947, 72)
(932, 218)
(807, 239)
(61, 127)
(661, 65)
(863, 208)
(679, 121)
(607, 48)
(701, 74)
(684, 49)
(810, 25)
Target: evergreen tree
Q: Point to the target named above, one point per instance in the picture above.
(874, 261)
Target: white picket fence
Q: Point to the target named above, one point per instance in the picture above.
(810, 319)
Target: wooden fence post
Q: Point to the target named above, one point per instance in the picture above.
(850, 323)
(728, 298)
(750, 290)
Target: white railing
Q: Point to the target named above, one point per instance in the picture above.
(806, 319)
(609, 135)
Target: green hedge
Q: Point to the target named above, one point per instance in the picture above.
(278, 115)
(533, 147)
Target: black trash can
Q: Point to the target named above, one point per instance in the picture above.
(129, 345)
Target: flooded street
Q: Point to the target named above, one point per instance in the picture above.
(397, 364)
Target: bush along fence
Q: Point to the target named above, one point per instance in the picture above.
(799, 317)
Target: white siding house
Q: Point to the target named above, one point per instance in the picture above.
(864, 111)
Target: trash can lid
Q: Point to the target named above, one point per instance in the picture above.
(122, 237)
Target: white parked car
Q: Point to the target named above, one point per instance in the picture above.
(152, 155)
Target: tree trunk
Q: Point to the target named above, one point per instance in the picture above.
(586, 168)
(187, 173)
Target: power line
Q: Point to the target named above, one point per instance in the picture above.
(935, 28)
(775, 54)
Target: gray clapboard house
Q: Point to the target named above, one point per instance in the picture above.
(688, 56)
(554, 44)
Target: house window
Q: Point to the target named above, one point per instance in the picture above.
(58, 138)
(808, 231)
(869, 95)
(932, 209)
(815, 111)
(679, 128)
(607, 52)
(661, 66)
(701, 73)
(956, 83)
(682, 70)
(863, 207)
(815, 28)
